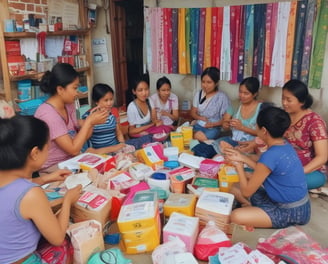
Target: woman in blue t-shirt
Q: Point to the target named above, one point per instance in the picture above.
(277, 188)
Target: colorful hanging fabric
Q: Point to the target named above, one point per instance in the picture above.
(194, 30)
(277, 74)
(307, 48)
(201, 39)
(187, 21)
(259, 40)
(225, 48)
(167, 39)
(249, 40)
(234, 48)
(290, 40)
(159, 39)
(299, 39)
(147, 17)
(271, 24)
(207, 41)
(182, 41)
(219, 41)
(241, 44)
(319, 46)
(214, 36)
(174, 18)
(154, 51)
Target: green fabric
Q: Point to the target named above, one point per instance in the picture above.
(188, 40)
(319, 46)
(33, 259)
(109, 256)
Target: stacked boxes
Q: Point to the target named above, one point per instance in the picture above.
(181, 203)
(227, 176)
(139, 225)
(215, 206)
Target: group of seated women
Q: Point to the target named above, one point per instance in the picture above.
(211, 111)
(273, 185)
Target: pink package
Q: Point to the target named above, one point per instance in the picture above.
(141, 186)
(184, 227)
(158, 148)
(209, 168)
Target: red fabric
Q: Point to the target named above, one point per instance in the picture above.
(114, 112)
(214, 36)
(219, 39)
(271, 23)
(159, 129)
(301, 136)
(202, 252)
(234, 47)
(56, 254)
(167, 40)
(294, 246)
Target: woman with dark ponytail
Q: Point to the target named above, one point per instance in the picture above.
(307, 133)
(25, 211)
(67, 133)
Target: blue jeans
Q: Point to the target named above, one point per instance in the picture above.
(227, 139)
(210, 133)
(283, 214)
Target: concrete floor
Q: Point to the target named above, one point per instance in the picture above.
(316, 228)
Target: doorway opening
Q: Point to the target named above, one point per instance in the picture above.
(127, 24)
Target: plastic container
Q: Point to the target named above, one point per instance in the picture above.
(24, 90)
(171, 164)
(29, 107)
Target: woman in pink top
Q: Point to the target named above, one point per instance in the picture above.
(67, 134)
(307, 132)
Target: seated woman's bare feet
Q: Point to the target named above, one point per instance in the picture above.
(224, 145)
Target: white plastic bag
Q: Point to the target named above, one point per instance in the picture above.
(171, 247)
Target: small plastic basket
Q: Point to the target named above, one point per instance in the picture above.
(29, 107)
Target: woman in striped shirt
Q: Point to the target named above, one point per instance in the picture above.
(106, 137)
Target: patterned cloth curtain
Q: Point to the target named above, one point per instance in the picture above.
(274, 42)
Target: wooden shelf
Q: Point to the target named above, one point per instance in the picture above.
(84, 31)
(19, 35)
(38, 75)
(32, 76)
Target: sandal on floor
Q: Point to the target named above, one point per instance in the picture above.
(315, 191)
(319, 191)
